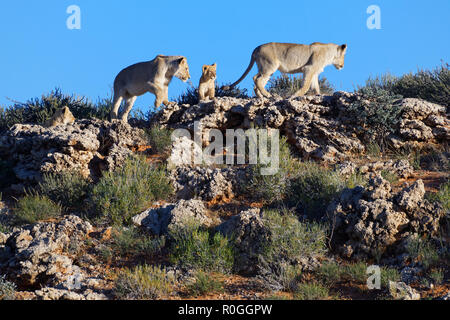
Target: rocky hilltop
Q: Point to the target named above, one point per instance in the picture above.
(380, 205)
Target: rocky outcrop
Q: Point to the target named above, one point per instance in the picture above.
(401, 168)
(368, 221)
(401, 291)
(160, 221)
(250, 235)
(87, 146)
(321, 127)
(39, 254)
(208, 184)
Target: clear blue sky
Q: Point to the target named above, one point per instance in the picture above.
(39, 53)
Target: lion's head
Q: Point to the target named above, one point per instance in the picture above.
(209, 72)
(339, 59)
(182, 72)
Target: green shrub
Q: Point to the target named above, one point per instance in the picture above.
(190, 96)
(291, 238)
(205, 284)
(330, 273)
(33, 208)
(160, 139)
(437, 276)
(143, 283)
(39, 110)
(313, 187)
(133, 243)
(423, 251)
(290, 276)
(129, 190)
(285, 86)
(431, 85)
(311, 291)
(377, 115)
(197, 249)
(272, 188)
(68, 189)
(390, 176)
(7, 289)
(442, 196)
(356, 272)
(389, 274)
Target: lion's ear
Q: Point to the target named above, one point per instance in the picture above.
(180, 60)
(344, 47)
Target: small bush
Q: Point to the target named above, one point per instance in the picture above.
(423, 251)
(437, 276)
(377, 114)
(7, 289)
(33, 208)
(190, 96)
(69, 189)
(330, 273)
(129, 190)
(390, 176)
(197, 249)
(39, 110)
(160, 139)
(285, 86)
(133, 243)
(272, 188)
(389, 274)
(205, 284)
(442, 196)
(356, 272)
(143, 283)
(313, 187)
(290, 276)
(311, 291)
(291, 238)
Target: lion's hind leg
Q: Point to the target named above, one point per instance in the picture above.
(117, 101)
(129, 105)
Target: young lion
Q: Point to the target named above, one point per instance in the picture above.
(293, 58)
(207, 86)
(152, 76)
(61, 117)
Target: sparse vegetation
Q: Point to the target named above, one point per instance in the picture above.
(431, 85)
(423, 251)
(129, 190)
(313, 187)
(311, 291)
(378, 114)
(143, 283)
(70, 189)
(7, 289)
(205, 283)
(39, 110)
(198, 249)
(292, 238)
(285, 85)
(160, 139)
(34, 208)
(190, 96)
(132, 243)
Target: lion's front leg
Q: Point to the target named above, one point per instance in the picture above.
(309, 75)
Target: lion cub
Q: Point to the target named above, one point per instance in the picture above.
(207, 86)
(61, 116)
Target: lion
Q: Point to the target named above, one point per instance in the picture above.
(207, 86)
(293, 58)
(62, 116)
(152, 76)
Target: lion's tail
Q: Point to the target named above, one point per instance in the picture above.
(250, 66)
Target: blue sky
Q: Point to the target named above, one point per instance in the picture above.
(39, 53)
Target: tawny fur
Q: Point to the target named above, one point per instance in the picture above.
(153, 76)
(207, 86)
(293, 58)
(61, 117)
